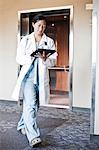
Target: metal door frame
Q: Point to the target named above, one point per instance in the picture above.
(71, 45)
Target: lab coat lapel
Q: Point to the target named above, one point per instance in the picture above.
(31, 45)
(42, 42)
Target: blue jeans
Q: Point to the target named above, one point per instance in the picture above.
(30, 108)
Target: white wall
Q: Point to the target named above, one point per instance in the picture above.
(8, 66)
(82, 46)
(82, 56)
(96, 115)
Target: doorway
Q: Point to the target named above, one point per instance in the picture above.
(59, 28)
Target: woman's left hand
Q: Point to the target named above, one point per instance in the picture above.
(43, 56)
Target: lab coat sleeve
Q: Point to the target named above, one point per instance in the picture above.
(51, 60)
(21, 57)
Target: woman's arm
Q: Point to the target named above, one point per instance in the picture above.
(21, 56)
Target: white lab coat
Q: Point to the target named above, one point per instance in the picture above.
(25, 49)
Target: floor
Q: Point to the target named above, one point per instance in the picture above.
(59, 99)
(61, 129)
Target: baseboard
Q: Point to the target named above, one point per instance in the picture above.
(94, 138)
(8, 101)
(81, 109)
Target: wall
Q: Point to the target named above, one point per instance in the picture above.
(96, 114)
(82, 56)
(8, 66)
(82, 46)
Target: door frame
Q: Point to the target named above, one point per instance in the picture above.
(71, 45)
(93, 71)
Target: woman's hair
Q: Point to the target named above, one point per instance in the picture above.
(38, 17)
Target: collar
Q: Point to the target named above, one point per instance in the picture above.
(43, 39)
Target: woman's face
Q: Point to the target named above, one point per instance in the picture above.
(39, 27)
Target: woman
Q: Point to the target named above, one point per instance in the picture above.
(33, 80)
